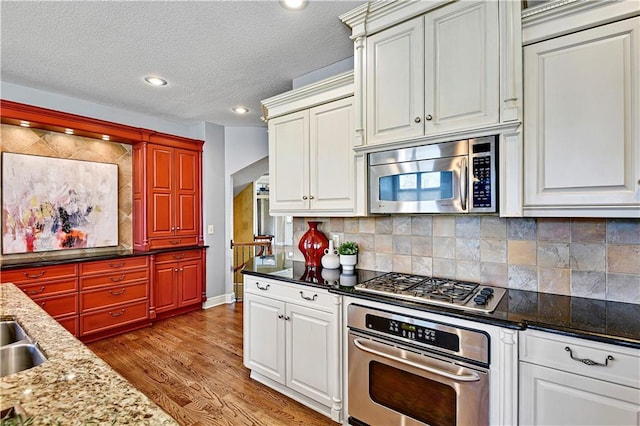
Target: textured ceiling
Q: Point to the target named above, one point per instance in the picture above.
(215, 54)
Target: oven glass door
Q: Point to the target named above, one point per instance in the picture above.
(395, 385)
(426, 186)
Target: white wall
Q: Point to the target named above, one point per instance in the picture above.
(54, 101)
(213, 210)
(243, 147)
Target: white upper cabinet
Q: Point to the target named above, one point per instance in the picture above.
(434, 74)
(395, 84)
(462, 83)
(581, 127)
(289, 161)
(312, 165)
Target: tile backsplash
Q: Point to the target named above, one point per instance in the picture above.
(594, 258)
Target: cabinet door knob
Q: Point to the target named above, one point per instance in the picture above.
(304, 197)
(173, 228)
(429, 117)
(280, 316)
(287, 318)
(175, 270)
(178, 228)
(417, 119)
(311, 197)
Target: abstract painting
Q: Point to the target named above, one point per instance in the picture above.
(57, 204)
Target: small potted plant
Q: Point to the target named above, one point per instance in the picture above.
(348, 252)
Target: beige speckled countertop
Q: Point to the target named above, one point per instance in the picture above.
(74, 386)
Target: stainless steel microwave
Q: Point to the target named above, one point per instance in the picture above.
(448, 177)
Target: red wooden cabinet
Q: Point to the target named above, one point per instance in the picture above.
(54, 288)
(167, 193)
(114, 296)
(178, 282)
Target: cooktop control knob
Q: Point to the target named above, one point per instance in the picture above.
(486, 291)
(480, 299)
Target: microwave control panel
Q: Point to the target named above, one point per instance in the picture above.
(483, 176)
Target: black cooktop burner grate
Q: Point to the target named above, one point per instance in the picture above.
(452, 291)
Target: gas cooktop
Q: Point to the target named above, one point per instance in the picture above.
(436, 291)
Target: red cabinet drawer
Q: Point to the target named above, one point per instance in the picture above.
(115, 278)
(178, 256)
(113, 317)
(59, 306)
(107, 297)
(158, 243)
(37, 274)
(70, 323)
(113, 265)
(49, 288)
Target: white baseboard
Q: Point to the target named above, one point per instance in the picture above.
(219, 300)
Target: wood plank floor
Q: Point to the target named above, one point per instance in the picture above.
(191, 366)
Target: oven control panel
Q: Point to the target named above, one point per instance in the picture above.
(414, 332)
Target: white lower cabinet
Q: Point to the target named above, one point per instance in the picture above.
(292, 342)
(590, 383)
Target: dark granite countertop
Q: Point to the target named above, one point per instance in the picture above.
(50, 259)
(598, 320)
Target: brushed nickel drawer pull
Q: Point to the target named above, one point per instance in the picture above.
(34, 276)
(111, 292)
(179, 256)
(174, 242)
(118, 314)
(116, 265)
(312, 298)
(587, 361)
(36, 291)
(262, 288)
(115, 279)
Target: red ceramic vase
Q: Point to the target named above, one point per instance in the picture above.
(312, 245)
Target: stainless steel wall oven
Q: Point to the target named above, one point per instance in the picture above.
(404, 370)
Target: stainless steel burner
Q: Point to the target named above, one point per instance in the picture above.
(440, 291)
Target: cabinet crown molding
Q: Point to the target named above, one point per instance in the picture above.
(327, 90)
(560, 17)
(377, 15)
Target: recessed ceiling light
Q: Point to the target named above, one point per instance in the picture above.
(240, 110)
(155, 81)
(293, 4)
(24, 123)
(105, 137)
(68, 131)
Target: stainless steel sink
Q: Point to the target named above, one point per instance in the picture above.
(18, 351)
(19, 357)
(11, 332)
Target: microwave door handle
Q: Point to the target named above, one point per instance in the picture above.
(464, 181)
(473, 377)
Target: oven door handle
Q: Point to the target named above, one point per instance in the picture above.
(473, 377)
